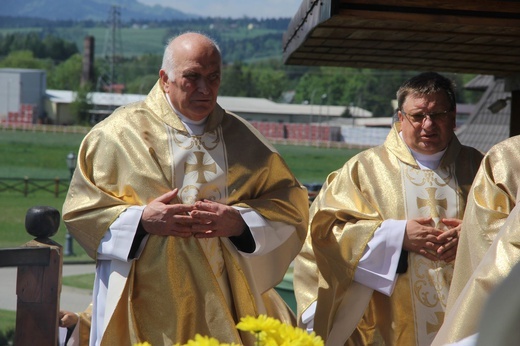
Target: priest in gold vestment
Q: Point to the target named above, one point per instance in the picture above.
(490, 241)
(378, 259)
(191, 215)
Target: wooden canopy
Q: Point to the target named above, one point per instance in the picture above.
(464, 36)
(461, 36)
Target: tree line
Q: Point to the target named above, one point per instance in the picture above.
(41, 46)
(261, 75)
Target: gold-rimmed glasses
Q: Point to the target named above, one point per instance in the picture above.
(434, 117)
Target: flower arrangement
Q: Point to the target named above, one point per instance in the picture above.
(268, 331)
(271, 332)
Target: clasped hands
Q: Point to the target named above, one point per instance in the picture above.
(203, 219)
(433, 243)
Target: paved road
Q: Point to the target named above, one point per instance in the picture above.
(72, 299)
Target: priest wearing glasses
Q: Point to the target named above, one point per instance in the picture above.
(378, 259)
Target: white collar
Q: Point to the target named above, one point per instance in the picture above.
(426, 161)
(194, 127)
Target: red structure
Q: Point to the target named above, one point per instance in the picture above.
(292, 131)
(24, 116)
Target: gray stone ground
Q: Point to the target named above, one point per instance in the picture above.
(72, 299)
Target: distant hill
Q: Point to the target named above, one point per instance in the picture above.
(96, 10)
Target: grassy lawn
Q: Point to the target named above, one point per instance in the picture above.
(84, 281)
(42, 155)
(7, 323)
(36, 154)
(312, 164)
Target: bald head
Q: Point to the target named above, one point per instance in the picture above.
(190, 74)
(190, 41)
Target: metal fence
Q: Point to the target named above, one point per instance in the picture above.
(4, 126)
(27, 185)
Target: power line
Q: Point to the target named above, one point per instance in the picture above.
(112, 53)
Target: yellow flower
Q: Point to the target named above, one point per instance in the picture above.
(261, 323)
(204, 341)
(272, 332)
(268, 331)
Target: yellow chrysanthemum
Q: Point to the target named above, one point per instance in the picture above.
(272, 332)
(261, 323)
(268, 331)
(200, 340)
(203, 341)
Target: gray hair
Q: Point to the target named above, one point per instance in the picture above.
(168, 62)
(427, 83)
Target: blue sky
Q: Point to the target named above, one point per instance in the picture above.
(233, 8)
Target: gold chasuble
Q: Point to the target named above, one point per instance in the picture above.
(489, 245)
(182, 286)
(379, 184)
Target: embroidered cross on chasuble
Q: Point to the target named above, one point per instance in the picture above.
(199, 170)
(429, 193)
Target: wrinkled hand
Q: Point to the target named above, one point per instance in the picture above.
(216, 220)
(422, 238)
(67, 319)
(449, 239)
(161, 218)
(433, 243)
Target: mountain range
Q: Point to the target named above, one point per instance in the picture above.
(97, 10)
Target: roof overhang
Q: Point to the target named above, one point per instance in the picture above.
(461, 36)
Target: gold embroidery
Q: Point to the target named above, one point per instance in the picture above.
(429, 193)
(432, 203)
(208, 141)
(200, 167)
(423, 285)
(419, 177)
(203, 177)
(433, 328)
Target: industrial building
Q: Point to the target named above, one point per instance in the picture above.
(21, 95)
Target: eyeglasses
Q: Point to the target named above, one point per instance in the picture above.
(434, 117)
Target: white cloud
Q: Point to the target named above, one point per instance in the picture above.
(233, 8)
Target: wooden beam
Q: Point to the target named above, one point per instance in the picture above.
(410, 49)
(38, 290)
(432, 14)
(496, 6)
(24, 257)
(343, 30)
(388, 61)
(514, 124)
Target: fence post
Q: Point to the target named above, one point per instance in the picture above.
(56, 187)
(26, 186)
(38, 287)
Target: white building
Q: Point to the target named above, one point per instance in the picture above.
(249, 108)
(25, 99)
(22, 94)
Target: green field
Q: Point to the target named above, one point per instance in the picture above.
(312, 164)
(136, 42)
(36, 154)
(133, 41)
(43, 155)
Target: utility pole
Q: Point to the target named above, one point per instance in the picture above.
(112, 52)
(110, 78)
